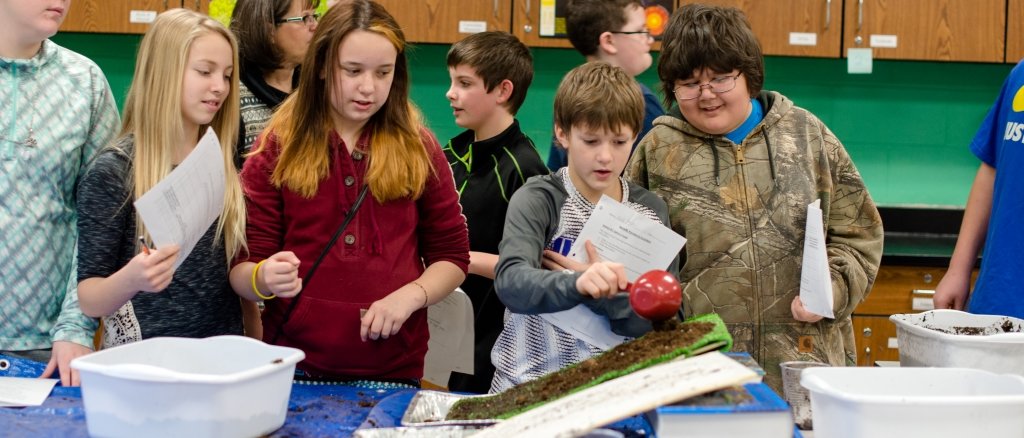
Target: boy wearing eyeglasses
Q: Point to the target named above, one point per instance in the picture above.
(613, 31)
(739, 167)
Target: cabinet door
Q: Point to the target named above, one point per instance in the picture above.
(526, 23)
(1015, 31)
(114, 16)
(792, 27)
(876, 339)
(197, 5)
(447, 21)
(937, 30)
(901, 289)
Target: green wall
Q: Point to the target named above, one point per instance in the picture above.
(906, 126)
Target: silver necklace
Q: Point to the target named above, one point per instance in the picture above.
(29, 141)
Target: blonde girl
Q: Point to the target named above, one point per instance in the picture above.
(350, 124)
(185, 81)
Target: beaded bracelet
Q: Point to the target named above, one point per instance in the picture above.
(255, 289)
(425, 299)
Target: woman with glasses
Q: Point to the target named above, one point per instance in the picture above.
(272, 39)
(739, 167)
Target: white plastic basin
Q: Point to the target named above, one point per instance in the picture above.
(930, 339)
(223, 386)
(849, 402)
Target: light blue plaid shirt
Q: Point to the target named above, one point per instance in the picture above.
(64, 101)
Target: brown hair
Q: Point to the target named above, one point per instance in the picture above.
(253, 22)
(599, 95)
(717, 38)
(586, 20)
(399, 163)
(496, 56)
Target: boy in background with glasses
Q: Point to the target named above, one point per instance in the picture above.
(490, 75)
(613, 31)
(739, 167)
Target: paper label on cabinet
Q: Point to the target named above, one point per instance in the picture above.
(142, 17)
(893, 344)
(547, 18)
(467, 26)
(883, 41)
(803, 39)
(922, 304)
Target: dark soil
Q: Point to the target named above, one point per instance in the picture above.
(1006, 326)
(665, 339)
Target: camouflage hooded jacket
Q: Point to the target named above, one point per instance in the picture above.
(743, 210)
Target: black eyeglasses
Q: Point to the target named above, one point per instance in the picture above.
(645, 32)
(307, 19)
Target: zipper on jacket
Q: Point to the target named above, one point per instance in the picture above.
(758, 329)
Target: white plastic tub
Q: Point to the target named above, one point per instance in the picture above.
(930, 339)
(224, 386)
(849, 402)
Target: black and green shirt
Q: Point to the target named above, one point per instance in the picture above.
(486, 173)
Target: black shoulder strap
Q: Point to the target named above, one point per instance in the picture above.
(312, 269)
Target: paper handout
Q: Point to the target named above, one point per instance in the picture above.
(452, 335)
(623, 235)
(815, 277)
(181, 207)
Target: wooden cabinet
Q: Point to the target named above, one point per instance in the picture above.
(792, 27)
(898, 289)
(526, 23)
(121, 16)
(1014, 31)
(447, 21)
(937, 30)
(114, 16)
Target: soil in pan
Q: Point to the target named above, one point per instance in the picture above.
(665, 339)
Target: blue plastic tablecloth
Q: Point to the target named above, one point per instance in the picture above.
(313, 410)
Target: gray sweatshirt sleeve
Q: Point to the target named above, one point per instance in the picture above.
(522, 284)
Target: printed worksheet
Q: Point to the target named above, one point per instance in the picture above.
(815, 278)
(623, 235)
(182, 207)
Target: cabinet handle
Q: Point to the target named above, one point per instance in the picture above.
(198, 5)
(495, 8)
(867, 351)
(828, 13)
(867, 332)
(165, 5)
(527, 10)
(922, 292)
(860, 14)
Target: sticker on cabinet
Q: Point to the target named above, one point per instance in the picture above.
(803, 39)
(883, 41)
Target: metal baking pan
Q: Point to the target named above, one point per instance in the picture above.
(429, 408)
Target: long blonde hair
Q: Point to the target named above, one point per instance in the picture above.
(153, 115)
(399, 162)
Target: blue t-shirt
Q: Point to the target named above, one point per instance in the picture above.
(756, 115)
(1000, 144)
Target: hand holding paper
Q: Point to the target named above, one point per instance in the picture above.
(182, 206)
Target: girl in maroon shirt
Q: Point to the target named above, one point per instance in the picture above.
(349, 124)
